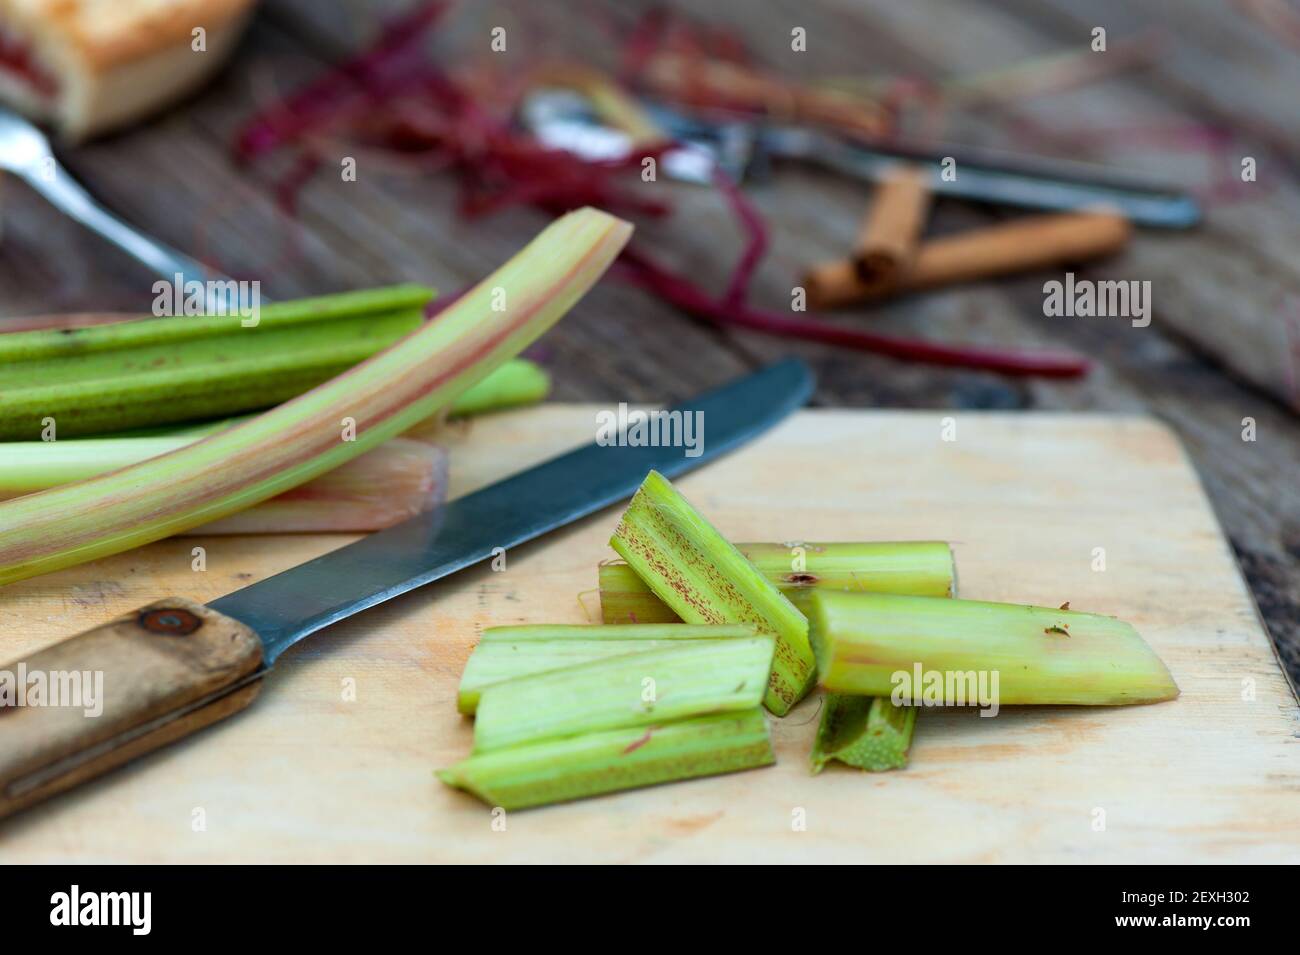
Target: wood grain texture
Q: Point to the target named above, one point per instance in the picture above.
(335, 763)
(117, 691)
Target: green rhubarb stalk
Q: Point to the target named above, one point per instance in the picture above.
(27, 466)
(104, 391)
(693, 678)
(507, 653)
(289, 445)
(575, 767)
(627, 599)
(191, 429)
(149, 393)
(866, 732)
(516, 383)
(58, 342)
(397, 480)
(62, 320)
(704, 579)
(935, 650)
(259, 343)
(922, 568)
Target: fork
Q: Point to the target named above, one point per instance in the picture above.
(26, 152)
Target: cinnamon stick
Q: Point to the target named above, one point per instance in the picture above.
(891, 231)
(1033, 242)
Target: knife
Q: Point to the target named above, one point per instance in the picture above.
(993, 177)
(176, 666)
(561, 119)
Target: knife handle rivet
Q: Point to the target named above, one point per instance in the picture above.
(173, 621)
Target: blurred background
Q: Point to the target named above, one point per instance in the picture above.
(435, 106)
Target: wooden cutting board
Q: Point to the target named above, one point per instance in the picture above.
(1031, 502)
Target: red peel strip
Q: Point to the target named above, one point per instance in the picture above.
(370, 72)
(635, 266)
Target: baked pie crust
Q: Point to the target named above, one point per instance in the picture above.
(87, 66)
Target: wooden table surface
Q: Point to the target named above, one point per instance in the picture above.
(1217, 72)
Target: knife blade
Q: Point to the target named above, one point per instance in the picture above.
(994, 177)
(176, 666)
(562, 120)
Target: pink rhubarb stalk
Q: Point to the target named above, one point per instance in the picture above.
(316, 432)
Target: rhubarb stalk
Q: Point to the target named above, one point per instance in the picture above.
(868, 733)
(704, 579)
(517, 382)
(691, 678)
(865, 732)
(507, 653)
(115, 333)
(627, 599)
(397, 480)
(117, 389)
(575, 767)
(921, 568)
(289, 445)
(933, 649)
(123, 373)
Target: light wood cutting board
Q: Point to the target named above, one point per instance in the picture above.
(1026, 499)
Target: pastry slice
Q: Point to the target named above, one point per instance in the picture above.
(87, 66)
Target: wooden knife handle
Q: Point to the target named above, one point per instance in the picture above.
(136, 684)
